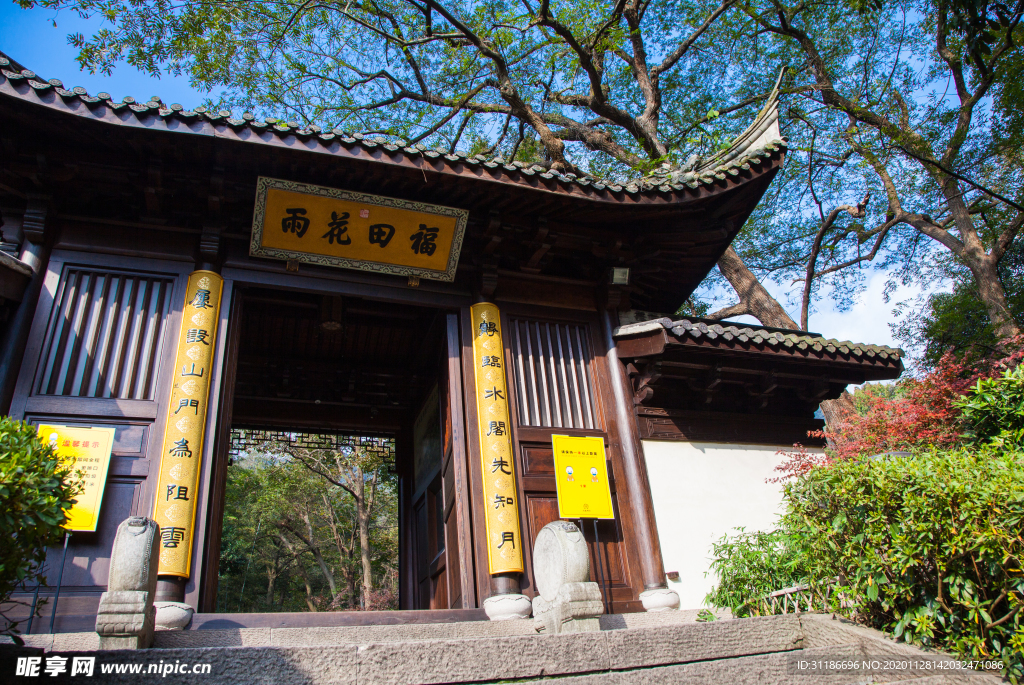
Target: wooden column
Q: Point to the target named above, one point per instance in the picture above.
(652, 567)
(35, 252)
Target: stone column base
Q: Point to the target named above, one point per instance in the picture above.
(660, 599)
(505, 607)
(173, 615)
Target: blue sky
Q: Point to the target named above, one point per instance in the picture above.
(30, 37)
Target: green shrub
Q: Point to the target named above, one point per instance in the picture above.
(36, 491)
(926, 547)
(752, 565)
(994, 407)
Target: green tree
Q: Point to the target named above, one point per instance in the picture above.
(36, 492)
(296, 535)
(904, 117)
(957, 321)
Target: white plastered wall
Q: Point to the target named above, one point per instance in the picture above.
(702, 491)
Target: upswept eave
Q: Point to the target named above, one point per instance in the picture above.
(757, 151)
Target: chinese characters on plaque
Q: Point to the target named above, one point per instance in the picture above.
(504, 542)
(88, 451)
(182, 451)
(581, 478)
(331, 227)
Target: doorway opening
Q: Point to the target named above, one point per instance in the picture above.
(339, 418)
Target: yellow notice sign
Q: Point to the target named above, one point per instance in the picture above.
(331, 227)
(581, 478)
(87, 450)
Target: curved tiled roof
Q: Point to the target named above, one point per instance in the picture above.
(753, 151)
(773, 338)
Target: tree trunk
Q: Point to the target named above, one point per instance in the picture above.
(364, 554)
(757, 302)
(315, 550)
(302, 570)
(754, 299)
(992, 295)
(835, 411)
(271, 577)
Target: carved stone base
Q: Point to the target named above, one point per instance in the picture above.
(660, 599)
(173, 615)
(575, 609)
(505, 607)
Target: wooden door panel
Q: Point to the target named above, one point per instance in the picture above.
(538, 461)
(542, 509)
(88, 560)
(422, 537)
(454, 570)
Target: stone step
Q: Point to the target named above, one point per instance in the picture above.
(329, 635)
(759, 651)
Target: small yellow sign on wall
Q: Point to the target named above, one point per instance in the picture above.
(581, 478)
(87, 450)
(333, 227)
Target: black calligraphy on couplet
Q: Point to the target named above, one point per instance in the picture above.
(196, 335)
(424, 240)
(496, 428)
(192, 372)
(295, 222)
(339, 229)
(176, 492)
(488, 328)
(188, 404)
(172, 536)
(381, 234)
(180, 449)
(488, 360)
(201, 300)
(500, 501)
(507, 536)
(501, 465)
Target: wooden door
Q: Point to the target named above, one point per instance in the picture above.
(440, 503)
(557, 387)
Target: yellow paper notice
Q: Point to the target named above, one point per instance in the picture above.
(581, 478)
(88, 451)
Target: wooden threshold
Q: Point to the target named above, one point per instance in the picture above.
(326, 619)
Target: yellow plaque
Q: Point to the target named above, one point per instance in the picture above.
(331, 227)
(182, 452)
(501, 507)
(581, 478)
(88, 451)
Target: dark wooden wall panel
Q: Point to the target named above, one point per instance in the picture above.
(106, 335)
(100, 354)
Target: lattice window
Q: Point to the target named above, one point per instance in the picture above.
(106, 335)
(247, 440)
(552, 381)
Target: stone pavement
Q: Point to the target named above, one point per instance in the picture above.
(656, 649)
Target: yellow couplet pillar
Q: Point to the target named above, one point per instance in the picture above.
(504, 541)
(182, 453)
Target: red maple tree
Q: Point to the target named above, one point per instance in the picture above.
(918, 412)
